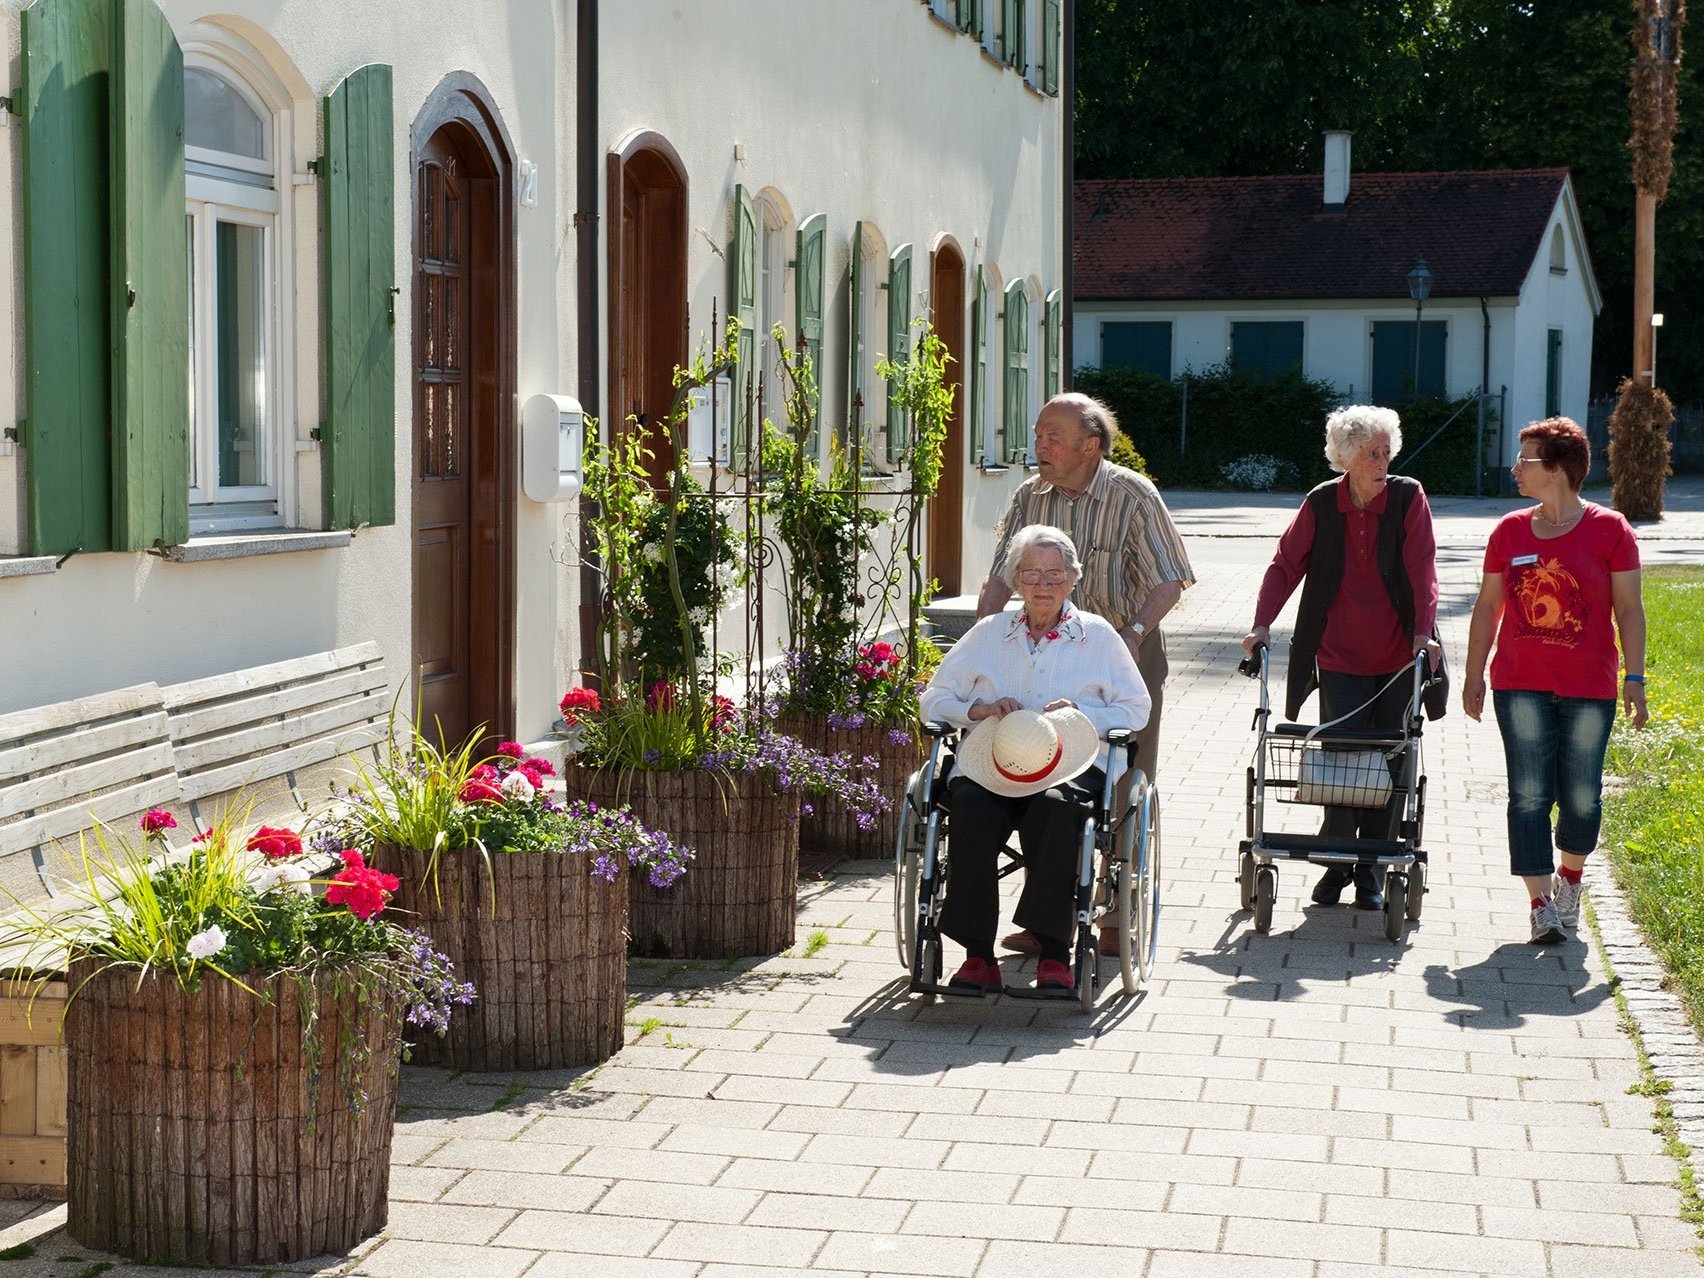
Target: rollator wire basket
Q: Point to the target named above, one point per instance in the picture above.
(1330, 771)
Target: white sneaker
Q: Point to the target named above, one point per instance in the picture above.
(1546, 926)
(1567, 900)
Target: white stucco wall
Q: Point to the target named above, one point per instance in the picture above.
(873, 111)
(106, 620)
(1552, 299)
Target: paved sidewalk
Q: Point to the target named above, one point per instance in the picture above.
(1316, 1103)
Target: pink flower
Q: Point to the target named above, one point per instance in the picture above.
(485, 772)
(512, 750)
(578, 701)
(866, 670)
(1053, 634)
(275, 844)
(722, 712)
(661, 696)
(156, 821)
(363, 889)
(202, 837)
(536, 769)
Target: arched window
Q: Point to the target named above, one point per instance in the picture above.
(774, 245)
(236, 144)
(1558, 253)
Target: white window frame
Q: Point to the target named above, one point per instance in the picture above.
(210, 200)
(873, 278)
(774, 247)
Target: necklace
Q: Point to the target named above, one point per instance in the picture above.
(1558, 523)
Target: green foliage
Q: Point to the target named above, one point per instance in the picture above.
(1124, 454)
(1445, 465)
(918, 384)
(1175, 88)
(1654, 823)
(702, 567)
(411, 798)
(619, 492)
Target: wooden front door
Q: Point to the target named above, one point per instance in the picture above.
(459, 571)
(647, 293)
(946, 507)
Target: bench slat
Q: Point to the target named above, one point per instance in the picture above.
(182, 697)
(235, 776)
(72, 748)
(19, 725)
(112, 808)
(188, 725)
(106, 772)
(258, 743)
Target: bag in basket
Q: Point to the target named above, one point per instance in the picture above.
(1343, 778)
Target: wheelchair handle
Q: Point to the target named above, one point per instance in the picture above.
(930, 728)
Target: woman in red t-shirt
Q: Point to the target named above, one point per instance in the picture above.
(1557, 575)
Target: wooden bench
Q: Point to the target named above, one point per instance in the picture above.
(258, 737)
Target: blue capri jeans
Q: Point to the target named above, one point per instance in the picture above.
(1553, 747)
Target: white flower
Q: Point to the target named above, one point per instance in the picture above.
(283, 874)
(652, 554)
(518, 785)
(204, 945)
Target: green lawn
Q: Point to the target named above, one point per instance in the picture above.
(1654, 817)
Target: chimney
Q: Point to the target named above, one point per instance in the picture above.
(1337, 167)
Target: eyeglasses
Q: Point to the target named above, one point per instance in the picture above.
(1525, 461)
(1052, 577)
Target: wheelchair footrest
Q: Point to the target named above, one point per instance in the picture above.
(1052, 994)
(953, 991)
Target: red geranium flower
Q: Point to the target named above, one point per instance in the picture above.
(512, 750)
(536, 769)
(481, 790)
(485, 772)
(722, 712)
(363, 889)
(202, 837)
(157, 821)
(578, 701)
(275, 844)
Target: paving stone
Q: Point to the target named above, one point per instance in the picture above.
(718, 1204)
(908, 1254)
(402, 1258)
(796, 1177)
(515, 1189)
(583, 1233)
(742, 1244)
(1142, 1228)
(1302, 1240)
(830, 1211)
(444, 1222)
(1008, 1259)
(530, 1153)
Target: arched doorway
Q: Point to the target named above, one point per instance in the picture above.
(463, 430)
(647, 283)
(946, 507)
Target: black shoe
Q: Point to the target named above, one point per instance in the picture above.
(1367, 893)
(1329, 889)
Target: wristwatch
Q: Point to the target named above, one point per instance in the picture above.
(1139, 628)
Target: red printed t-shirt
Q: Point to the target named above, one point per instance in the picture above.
(1558, 628)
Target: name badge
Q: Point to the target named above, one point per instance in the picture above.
(1521, 561)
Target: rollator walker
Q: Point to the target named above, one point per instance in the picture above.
(1118, 874)
(1297, 764)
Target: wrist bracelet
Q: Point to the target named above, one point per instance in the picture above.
(1632, 678)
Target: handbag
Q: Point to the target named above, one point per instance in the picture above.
(1435, 696)
(1343, 778)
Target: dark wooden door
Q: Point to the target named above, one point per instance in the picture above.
(946, 507)
(648, 297)
(457, 494)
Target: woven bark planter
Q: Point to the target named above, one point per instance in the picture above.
(740, 895)
(547, 957)
(203, 1129)
(830, 827)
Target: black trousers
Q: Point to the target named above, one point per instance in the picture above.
(1050, 834)
(1340, 693)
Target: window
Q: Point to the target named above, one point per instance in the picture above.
(1143, 344)
(236, 192)
(1553, 373)
(1558, 253)
(1393, 359)
(774, 233)
(1264, 349)
(866, 397)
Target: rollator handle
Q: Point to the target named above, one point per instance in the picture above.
(1250, 665)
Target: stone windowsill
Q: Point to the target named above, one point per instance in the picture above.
(27, 565)
(243, 545)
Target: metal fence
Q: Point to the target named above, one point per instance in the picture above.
(1686, 436)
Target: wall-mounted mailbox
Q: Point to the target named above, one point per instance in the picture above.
(709, 422)
(552, 445)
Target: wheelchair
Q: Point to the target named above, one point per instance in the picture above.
(1118, 875)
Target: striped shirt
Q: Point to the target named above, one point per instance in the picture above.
(1087, 665)
(1123, 533)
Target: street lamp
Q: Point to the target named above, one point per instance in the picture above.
(1656, 323)
(1419, 288)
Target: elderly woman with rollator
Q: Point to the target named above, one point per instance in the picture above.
(1038, 689)
(1362, 549)
(1561, 582)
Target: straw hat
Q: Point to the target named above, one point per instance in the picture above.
(1027, 751)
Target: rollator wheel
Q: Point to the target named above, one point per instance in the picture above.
(1265, 897)
(1395, 905)
(1416, 889)
(1245, 880)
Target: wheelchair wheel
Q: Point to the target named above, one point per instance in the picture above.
(907, 868)
(1416, 889)
(1245, 879)
(1087, 967)
(1395, 905)
(1138, 889)
(1265, 896)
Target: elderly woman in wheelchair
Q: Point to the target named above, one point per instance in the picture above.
(1038, 691)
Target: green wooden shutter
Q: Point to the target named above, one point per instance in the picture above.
(742, 262)
(358, 441)
(1014, 408)
(67, 352)
(1012, 33)
(808, 284)
(150, 289)
(970, 17)
(1050, 46)
(1054, 329)
(898, 340)
(855, 389)
(978, 367)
